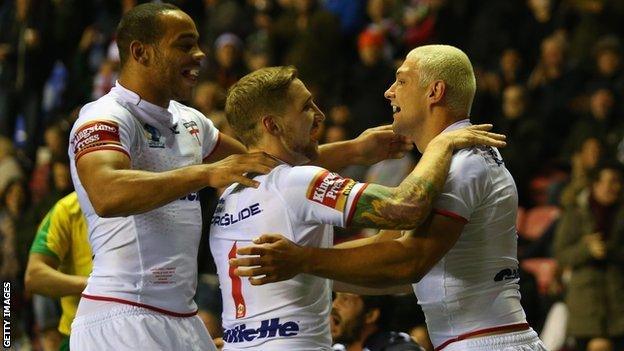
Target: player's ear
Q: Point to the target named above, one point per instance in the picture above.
(372, 316)
(140, 52)
(436, 91)
(270, 125)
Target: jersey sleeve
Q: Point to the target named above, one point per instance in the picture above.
(53, 235)
(101, 133)
(209, 134)
(317, 196)
(464, 187)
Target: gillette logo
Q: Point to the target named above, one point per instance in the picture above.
(268, 329)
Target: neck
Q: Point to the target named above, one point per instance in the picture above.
(277, 149)
(135, 81)
(359, 344)
(433, 125)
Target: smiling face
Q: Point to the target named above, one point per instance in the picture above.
(177, 56)
(408, 99)
(301, 123)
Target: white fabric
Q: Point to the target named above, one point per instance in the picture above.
(519, 341)
(301, 203)
(475, 285)
(148, 258)
(130, 328)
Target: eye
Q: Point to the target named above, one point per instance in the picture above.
(400, 82)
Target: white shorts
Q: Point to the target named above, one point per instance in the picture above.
(131, 328)
(526, 340)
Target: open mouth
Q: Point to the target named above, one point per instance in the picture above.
(191, 74)
(395, 109)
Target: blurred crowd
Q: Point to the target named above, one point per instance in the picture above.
(550, 75)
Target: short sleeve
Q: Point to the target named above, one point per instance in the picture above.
(316, 196)
(53, 235)
(209, 134)
(464, 187)
(101, 133)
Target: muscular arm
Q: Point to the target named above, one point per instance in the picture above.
(43, 278)
(401, 261)
(116, 190)
(380, 264)
(370, 147)
(407, 205)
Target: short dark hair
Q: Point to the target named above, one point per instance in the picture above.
(261, 92)
(385, 304)
(611, 165)
(141, 23)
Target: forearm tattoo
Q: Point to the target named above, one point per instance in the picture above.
(403, 207)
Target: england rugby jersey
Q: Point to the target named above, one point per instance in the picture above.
(301, 203)
(474, 287)
(147, 259)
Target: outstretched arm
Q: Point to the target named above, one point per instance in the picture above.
(373, 145)
(381, 264)
(117, 190)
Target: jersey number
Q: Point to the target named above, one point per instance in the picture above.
(237, 292)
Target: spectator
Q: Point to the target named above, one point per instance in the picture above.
(9, 167)
(228, 66)
(600, 122)
(590, 242)
(360, 323)
(524, 135)
(368, 79)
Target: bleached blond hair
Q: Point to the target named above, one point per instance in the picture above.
(451, 65)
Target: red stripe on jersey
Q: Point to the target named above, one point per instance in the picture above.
(136, 304)
(237, 292)
(450, 214)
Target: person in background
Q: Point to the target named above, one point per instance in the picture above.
(590, 242)
(359, 323)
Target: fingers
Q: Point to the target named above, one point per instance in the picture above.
(262, 280)
(245, 261)
(252, 271)
(485, 127)
(267, 238)
(245, 181)
(251, 250)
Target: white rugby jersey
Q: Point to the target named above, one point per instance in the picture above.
(148, 259)
(301, 203)
(474, 287)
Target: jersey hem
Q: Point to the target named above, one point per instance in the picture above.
(214, 148)
(480, 332)
(354, 204)
(450, 214)
(137, 304)
(114, 148)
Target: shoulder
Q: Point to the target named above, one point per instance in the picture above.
(69, 204)
(470, 162)
(104, 107)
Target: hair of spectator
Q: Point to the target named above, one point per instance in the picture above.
(611, 165)
(384, 303)
(451, 65)
(263, 92)
(141, 23)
